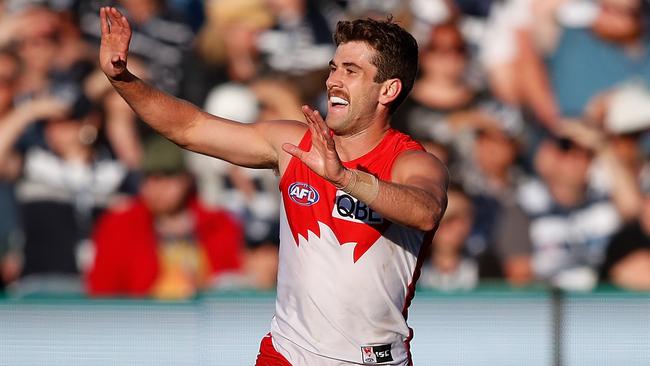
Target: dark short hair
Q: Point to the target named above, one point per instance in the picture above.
(397, 50)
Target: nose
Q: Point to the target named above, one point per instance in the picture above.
(333, 80)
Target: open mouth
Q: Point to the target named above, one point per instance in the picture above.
(337, 102)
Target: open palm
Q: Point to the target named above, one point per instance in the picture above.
(322, 158)
(116, 35)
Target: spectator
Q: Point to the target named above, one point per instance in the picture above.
(24, 20)
(585, 62)
(250, 194)
(623, 116)
(442, 100)
(298, 44)
(122, 128)
(64, 183)
(509, 57)
(627, 262)
(426, 14)
(300, 40)
(192, 10)
(37, 52)
(449, 267)
(226, 48)
(9, 170)
(500, 239)
(571, 220)
(165, 243)
(54, 59)
(160, 37)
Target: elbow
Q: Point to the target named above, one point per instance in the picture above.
(184, 137)
(427, 226)
(182, 141)
(185, 134)
(428, 223)
(431, 219)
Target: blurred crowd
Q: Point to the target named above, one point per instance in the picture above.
(540, 109)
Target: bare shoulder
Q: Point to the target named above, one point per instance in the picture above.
(279, 132)
(421, 167)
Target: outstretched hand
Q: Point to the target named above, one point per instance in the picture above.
(322, 158)
(116, 35)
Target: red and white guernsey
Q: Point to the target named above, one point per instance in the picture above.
(346, 275)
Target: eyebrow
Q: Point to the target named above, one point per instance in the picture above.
(346, 64)
(352, 65)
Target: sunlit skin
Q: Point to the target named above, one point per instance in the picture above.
(351, 78)
(416, 195)
(355, 127)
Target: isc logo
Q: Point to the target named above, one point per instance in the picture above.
(303, 194)
(349, 208)
(376, 354)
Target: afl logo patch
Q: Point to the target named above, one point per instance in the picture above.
(303, 194)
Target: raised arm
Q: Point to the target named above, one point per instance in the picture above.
(252, 145)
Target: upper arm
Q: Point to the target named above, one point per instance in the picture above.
(421, 170)
(255, 145)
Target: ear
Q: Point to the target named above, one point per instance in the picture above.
(390, 89)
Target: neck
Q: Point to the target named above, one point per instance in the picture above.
(355, 145)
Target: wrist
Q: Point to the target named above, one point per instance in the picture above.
(363, 186)
(347, 178)
(123, 77)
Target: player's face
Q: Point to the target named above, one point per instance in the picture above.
(352, 93)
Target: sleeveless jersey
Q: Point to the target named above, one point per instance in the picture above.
(347, 275)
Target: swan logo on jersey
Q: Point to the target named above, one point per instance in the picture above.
(368, 355)
(303, 194)
(376, 354)
(351, 209)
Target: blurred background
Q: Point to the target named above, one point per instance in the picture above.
(117, 247)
